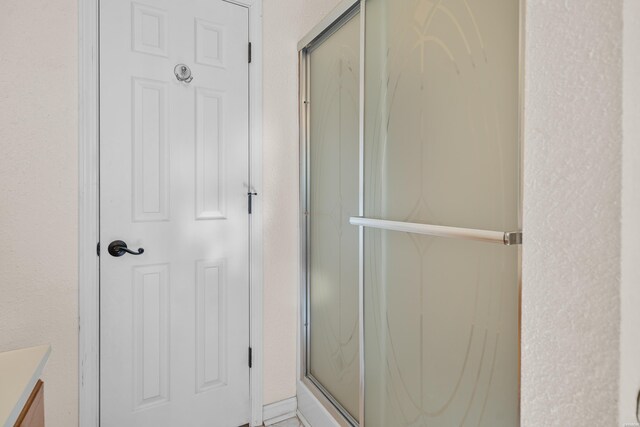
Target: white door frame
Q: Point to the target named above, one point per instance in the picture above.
(88, 214)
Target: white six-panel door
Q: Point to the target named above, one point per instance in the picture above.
(174, 179)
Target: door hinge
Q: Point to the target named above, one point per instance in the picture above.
(98, 249)
(250, 195)
(249, 52)
(250, 358)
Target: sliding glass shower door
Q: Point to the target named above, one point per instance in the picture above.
(330, 198)
(411, 229)
(441, 167)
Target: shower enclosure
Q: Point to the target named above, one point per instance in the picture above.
(411, 212)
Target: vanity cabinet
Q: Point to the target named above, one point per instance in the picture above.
(32, 414)
(21, 387)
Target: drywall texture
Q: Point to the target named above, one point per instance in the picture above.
(572, 181)
(38, 196)
(285, 22)
(630, 286)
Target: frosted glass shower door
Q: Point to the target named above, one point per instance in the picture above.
(332, 164)
(442, 157)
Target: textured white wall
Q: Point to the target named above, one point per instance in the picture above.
(38, 191)
(572, 182)
(285, 22)
(630, 286)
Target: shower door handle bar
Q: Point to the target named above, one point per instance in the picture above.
(501, 237)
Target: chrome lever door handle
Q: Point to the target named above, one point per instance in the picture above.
(117, 248)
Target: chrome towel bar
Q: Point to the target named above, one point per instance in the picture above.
(502, 237)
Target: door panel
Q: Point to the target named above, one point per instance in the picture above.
(150, 150)
(151, 334)
(174, 180)
(333, 345)
(441, 148)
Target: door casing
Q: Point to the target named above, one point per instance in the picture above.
(89, 220)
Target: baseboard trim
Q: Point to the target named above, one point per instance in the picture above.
(312, 411)
(279, 411)
(302, 419)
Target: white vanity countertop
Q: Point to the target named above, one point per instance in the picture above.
(20, 370)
